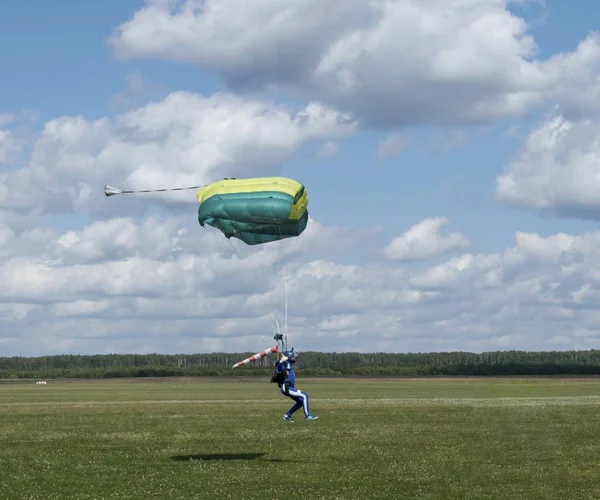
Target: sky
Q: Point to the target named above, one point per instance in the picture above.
(450, 150)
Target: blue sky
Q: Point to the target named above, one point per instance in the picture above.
(69, 59)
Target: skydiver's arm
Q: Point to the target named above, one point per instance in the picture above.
(283, 367)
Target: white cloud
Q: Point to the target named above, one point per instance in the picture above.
(6, 145)
(577, 88)
(537, 290)
(137, 263)
(12, 128)
(392, 63)
(14, 312)
(160, 296)
(119, 238)
(129, 281)
(6, 118)
(347, 323)
(81, 307)
(327, 150)
(484, 270)
(392, 145)
(184, 140)
(6, 234)
(15, 131)
(557, 169)
(137, 92)
(424, 240)
(513, 132)
(220, 33)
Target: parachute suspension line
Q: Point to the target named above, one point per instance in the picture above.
(112, 191)
(285, 288)
(272, 317)
(285, 326)
(275, 269)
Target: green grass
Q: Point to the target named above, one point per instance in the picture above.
(390, 439)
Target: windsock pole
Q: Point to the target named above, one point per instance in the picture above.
(258, 355)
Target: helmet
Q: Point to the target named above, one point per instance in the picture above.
(291, 355)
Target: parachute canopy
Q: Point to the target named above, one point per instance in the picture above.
(257, 210)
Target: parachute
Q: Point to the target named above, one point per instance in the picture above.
(256, 211)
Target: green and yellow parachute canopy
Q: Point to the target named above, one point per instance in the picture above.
(257, 210)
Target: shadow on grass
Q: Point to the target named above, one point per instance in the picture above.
(225, 456)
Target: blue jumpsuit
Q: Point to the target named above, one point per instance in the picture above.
(289, 389)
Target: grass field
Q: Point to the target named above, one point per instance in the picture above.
(389, 439)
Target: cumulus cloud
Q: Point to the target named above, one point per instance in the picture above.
(119, 238)
(184, 140)
(13, 133)
(156, 268)
(557, 169)
(6, 234)
(460, 271)
(425, 240)
(474, 302)
(133, 281)
(391, 63)
(225, 35)
(81, 308)
(6, 145)
(91, 290)
(577, 89)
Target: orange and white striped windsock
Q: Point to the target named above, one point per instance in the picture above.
(258, 355)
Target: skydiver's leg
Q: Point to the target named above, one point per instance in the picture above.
(301, 399)
(286, 390)
(296, 407)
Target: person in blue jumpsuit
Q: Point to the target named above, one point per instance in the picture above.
(285, 366)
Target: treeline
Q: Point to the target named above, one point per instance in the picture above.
(311, 364)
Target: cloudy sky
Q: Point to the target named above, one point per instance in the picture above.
(450, 149)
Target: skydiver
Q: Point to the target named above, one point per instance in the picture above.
(286, 379)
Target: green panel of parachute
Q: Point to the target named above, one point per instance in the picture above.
(256, 211)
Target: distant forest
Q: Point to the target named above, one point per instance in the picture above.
(309, 364)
